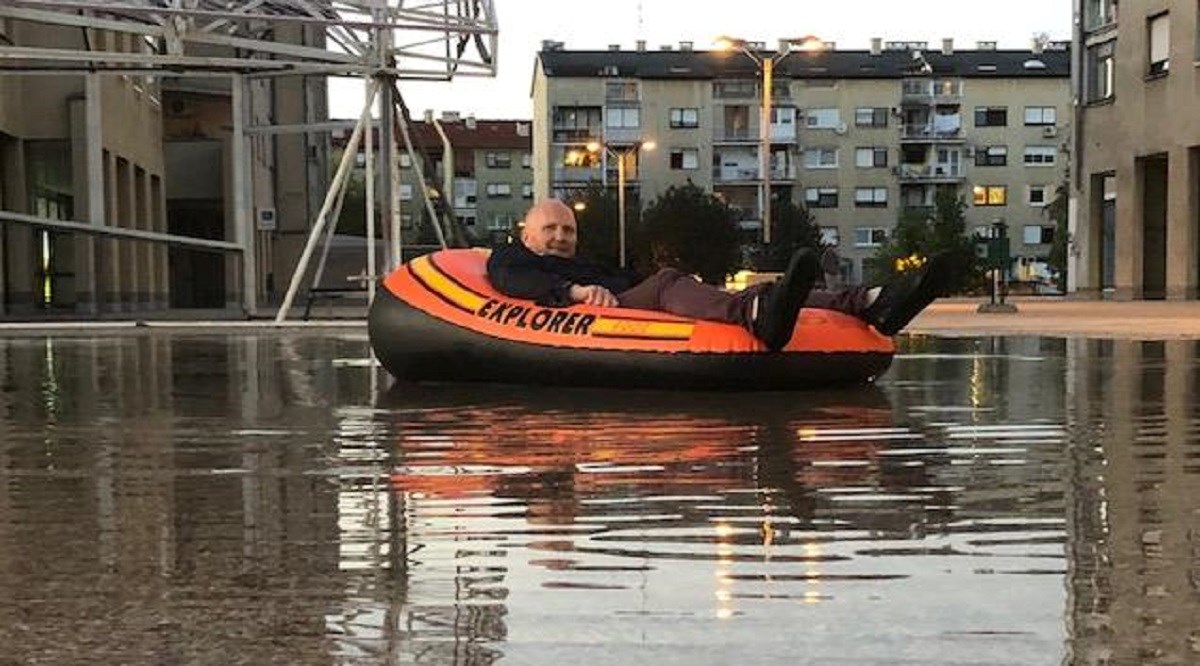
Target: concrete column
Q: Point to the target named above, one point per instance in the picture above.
(1183, 224)
(84, 245)
(19, 238)
(158, 210)
(109, 271)
(143, 250)
(1130, 238)
(243, 232)
(127, 219)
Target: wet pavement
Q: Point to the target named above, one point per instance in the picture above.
(266, 497)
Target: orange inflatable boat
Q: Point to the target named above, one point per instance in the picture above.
(437, 318)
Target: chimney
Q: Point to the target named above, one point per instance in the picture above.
(471, 121)
(685, 46)
(429, 115)
(876, 46)
(1038, 45)
(614, 47)
(641, 45)
(664, 47)
(948, 46)
(450, 116)
(985, 46)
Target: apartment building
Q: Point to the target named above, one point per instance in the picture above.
(1136, 176)
(856, 136)
(489, 173)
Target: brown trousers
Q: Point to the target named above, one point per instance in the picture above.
(670, 290)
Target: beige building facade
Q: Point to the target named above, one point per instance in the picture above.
(166, 152)
(855, 136)
(1136, 181)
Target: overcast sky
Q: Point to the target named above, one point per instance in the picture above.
(597, 23)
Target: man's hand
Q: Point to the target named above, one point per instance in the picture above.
(593, 294)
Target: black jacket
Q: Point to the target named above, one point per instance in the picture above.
(514, 270)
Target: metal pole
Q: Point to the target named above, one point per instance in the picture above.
(243, 225)
(339, 179)
(369, 156)
(621, 204)
(768, 66)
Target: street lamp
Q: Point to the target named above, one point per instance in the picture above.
(766, 65)
(620, 153)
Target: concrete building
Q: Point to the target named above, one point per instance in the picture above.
(44, 150)
(489, 173)
(1136, 182)
(166, 148)
(856, 136)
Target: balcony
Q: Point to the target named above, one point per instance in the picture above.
(735, 174)
(735, 135)
(925, 133)
(929, 173)
(926, 92)
(570, 174)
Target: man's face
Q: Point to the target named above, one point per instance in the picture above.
(551, 230)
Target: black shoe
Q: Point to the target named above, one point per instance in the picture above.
(779, 306)
(901, 300)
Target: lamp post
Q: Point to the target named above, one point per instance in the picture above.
(621, 154)
(766, 66)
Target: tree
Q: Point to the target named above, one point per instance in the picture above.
(1056, 211)
(921, 234)
(692, 230)
(792, 228)
(596, 214)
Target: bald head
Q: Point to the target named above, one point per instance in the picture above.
(550, 229)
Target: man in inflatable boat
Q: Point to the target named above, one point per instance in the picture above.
(543, 268)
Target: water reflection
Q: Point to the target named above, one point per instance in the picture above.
(183, 498)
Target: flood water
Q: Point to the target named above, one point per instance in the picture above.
(267, 498)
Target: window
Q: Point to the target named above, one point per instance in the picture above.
(869, 236)
(872, 157)
(499, 160)
(822, 118)
(1159, 30)
(1040, 155)
(820, 158)
(991, 116)
(526, 160)
(685, 118)
(405, 161)
(782, 115)
(990, 195)
(499, 190)
(686, 158)
(575, 123)
(623, 91)
(830, 236)
(1037, 195)
(1100, 13)
(1101, 71)
(1039, 115)
(501, 222)
(1035, 234)
(526, 191)
(821, 197)
(735, 89)
(406, 191)
(623, 117)
(866, 116)
(870, 197)
(992, 156)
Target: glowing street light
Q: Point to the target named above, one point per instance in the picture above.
(766, 66)
(621, 153)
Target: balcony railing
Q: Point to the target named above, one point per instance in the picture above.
(735, 135)
(727, 174)
(929, 133)
(927, 172)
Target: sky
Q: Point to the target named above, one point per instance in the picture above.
(595, 24)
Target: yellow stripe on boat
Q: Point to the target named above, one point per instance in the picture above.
(636, 328)
(444, 286)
